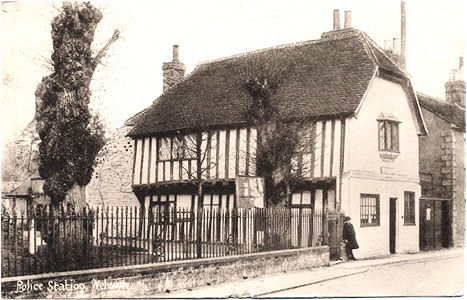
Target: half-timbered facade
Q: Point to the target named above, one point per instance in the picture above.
(224, 154)
(360, 119)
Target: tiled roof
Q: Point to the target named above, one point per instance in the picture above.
(133, 119)
(321, 78)
(448, 112)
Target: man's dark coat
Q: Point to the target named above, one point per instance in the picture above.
(348, 233)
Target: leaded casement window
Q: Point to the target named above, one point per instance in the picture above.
(369, 210)
(388, 135)
(409, 208)
(301, 160)
(177, 148)
(165, 145)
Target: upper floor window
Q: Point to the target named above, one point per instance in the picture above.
(388, 137)
(177, 148)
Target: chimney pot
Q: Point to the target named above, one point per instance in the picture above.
(461, 62)
(337, 22)
(348, 19)
(388, 45)
(175, 53)
(396, 46)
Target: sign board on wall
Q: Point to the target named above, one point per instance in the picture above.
(250, 191)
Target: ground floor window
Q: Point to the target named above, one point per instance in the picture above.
(409, 208)
(369, 210)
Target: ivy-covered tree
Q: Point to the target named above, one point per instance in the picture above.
(70, 136)
(281, 142)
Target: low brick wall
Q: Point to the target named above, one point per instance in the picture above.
(144, 280)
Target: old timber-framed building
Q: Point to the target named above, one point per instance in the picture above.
(356, 100)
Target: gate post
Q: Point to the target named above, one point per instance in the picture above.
(332, 232)
(325, 228)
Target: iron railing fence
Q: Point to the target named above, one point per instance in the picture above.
(117, 236)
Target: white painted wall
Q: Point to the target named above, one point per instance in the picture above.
(362, 133)
(375, 240)
(366, 173)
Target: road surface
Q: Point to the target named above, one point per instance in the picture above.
(430, 277)
(436, 273)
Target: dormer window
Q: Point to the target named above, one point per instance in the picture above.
(388, 137)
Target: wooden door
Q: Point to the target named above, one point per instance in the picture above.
(392, 225)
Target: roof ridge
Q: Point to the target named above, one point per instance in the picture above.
(280, 46)
(438, 113)
(207, 93)
(440, 101)
(368, 50)
(428, 104)
(432, 97)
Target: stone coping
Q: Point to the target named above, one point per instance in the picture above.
(161, 266)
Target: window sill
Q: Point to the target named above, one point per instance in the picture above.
(369, 225)
(410, 224)
(388, 155)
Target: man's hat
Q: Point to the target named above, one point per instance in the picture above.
(347, 218)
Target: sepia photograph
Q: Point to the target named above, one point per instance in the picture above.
(232, 149)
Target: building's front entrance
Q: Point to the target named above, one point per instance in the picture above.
(392, 225)
(434, 224)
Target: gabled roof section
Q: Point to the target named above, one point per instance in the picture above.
(321, 78)
(24, 189)
(446, 111)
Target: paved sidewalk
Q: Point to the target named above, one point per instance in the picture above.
(256, 287)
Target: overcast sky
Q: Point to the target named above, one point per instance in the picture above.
(130, 77)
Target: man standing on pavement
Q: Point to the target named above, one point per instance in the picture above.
(348, 234)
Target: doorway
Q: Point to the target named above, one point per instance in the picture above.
(392, 225)
(435, 224)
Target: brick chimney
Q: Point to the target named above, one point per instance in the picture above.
(172, 72)
(337, 32)
(455, 87)
(336, 20)
(348, 19)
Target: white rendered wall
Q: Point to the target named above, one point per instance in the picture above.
(366, 173)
